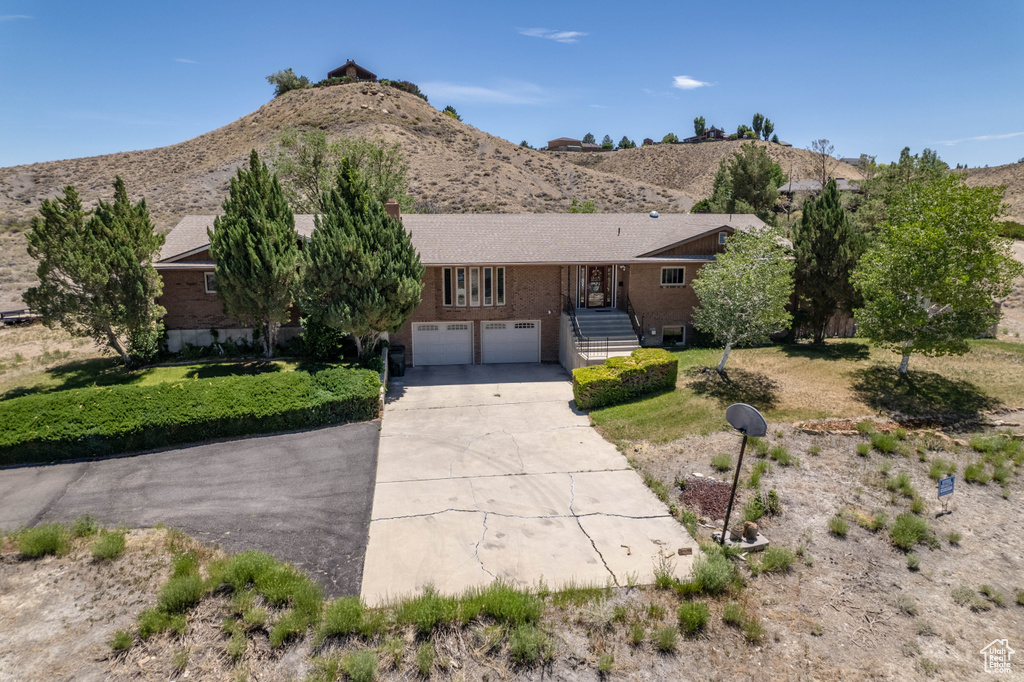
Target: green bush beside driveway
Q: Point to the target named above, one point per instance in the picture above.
(107, 420)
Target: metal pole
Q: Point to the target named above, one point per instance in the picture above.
(735, 482)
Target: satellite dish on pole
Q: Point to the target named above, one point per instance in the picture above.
(751, 424)
(746, 420)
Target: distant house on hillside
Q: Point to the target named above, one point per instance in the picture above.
(352, 70)
(648, 141)
(711, 133)
(565, 144)
(814, 186)
(858, 162)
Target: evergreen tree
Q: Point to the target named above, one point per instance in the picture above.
(766, 130)
(827, 249)
(699, 126)
(450, 112)
(606, 142)
(775, 139)
(96, 276)
(256, 250)
(361, 274)
(748, 182)
(589, 139)
(626, 143)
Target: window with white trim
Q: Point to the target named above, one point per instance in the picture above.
(673, 336)
(488, 287)
(210, 282)
(673, 277)
(499, 293)
(460, 287)
(474, 287)
(447, 287)
(722, 236)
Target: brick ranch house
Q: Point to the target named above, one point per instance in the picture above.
(570, 288)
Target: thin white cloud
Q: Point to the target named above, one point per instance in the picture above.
(503, 93)
(557, 36)
(598, 106)
(182, 60)
(980, 138)
(688, 83)
(13, 17)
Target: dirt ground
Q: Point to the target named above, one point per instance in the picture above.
(850, 590)
(842, 612)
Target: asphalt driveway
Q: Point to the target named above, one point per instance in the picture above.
(487, 472)
(304, 497)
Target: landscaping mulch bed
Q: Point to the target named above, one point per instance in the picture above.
(711, 497)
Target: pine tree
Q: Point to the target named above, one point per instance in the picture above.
(827, 249)
(256, 249)
(589, 139)
(361, 273)
(96, 276)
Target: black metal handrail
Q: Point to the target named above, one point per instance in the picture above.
(638, 324)
(585, 345)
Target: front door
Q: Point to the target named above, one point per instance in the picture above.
(597, 286)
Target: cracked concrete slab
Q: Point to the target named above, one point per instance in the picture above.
(488, 471)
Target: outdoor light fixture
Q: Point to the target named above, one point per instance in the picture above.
(750, 423)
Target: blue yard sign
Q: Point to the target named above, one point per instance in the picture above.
(946, 486)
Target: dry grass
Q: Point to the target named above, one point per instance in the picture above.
(1011, 175)
(847, 378)
(453, 164)
(691, 167)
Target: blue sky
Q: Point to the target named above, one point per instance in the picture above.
(84, 78)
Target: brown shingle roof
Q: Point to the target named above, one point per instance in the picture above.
(518, 238)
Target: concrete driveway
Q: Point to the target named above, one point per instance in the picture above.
(486, 472)
(304, 497)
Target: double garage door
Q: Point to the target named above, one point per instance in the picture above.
(451, 343)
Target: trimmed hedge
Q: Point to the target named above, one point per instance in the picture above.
(107, 420)
(621, 379)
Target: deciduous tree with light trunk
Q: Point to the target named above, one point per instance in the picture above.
(931, 280)
(96, 275)
(256, 250)
(361, 274)
(743, 294)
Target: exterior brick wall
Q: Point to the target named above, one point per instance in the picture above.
(658, 305)
(531, 293)
(190, 307)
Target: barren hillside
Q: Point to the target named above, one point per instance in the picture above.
(1011, 175)
(450, 163)
(691, 167)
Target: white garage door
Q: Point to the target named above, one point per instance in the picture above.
(510, 341)
(442, 343)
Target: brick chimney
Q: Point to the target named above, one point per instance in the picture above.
(393, 210)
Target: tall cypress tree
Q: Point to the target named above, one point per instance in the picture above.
(96, 276)
(827, 249)
(361, 273)
(256, 249)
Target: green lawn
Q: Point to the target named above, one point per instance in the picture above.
(108, 372)
(846, 378)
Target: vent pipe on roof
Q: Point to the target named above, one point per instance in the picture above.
(654, 214)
